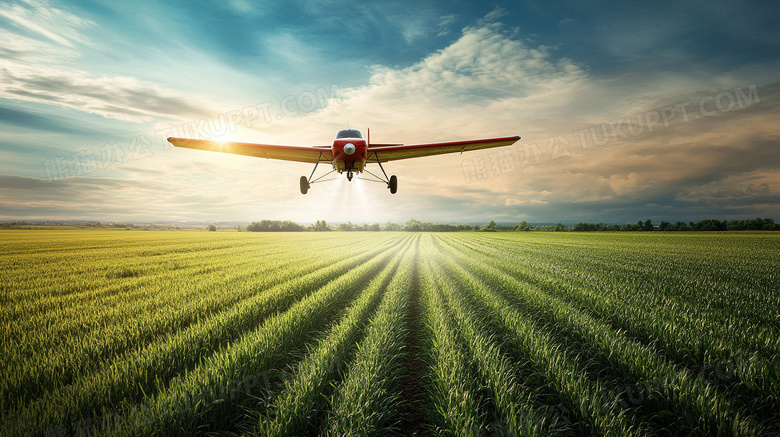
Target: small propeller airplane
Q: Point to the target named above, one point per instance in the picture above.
(349, 152)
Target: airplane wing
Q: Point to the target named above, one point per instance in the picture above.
(269, 151)
(404, 151)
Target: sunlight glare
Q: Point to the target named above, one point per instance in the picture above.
(225, 137)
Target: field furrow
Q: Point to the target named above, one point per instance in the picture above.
(299, 407)
(455, 400)
(514, 407)
(366, 403)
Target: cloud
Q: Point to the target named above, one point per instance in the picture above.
(445, 22)
(39, 63)
(36, 122)
(482, 65)
(151, 196)
(565, 22)
(40, 18)
(523, 202)
(760, 188)
(482, 84)
(290, 51)
(242, 6)
(22, 183)
(687, 36)
(121, 98)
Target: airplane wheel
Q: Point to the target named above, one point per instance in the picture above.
(304, 185)
(393, 184)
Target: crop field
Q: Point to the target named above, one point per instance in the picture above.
(377, 333)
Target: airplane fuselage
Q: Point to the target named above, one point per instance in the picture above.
(349, 154)
(349, 151)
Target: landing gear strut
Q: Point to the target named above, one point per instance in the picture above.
(392, 181)
(349, 174)
(306, 182)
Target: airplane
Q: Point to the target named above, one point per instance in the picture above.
(350, 153)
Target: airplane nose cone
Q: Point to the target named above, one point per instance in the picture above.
(349, 148)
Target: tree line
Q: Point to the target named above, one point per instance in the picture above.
(757, 224)
(413, 225)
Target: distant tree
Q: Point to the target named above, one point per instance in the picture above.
(211, 228)
(628, 228)
(413, 226)
(594, 227)
(710, 225)
(346, 227)
(290, 226)
(490, 227)
(274, 226)
(392, 227)
(648, 225)
(665, 226)
(523, 226)
(581, 227)
(374, 227)
(770, 225)
(756, 224)
(681, 226)
(560, 227)
(320, 226)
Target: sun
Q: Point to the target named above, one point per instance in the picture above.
(224, 137)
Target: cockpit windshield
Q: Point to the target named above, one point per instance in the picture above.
(349, 133)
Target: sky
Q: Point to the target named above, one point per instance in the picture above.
(627, 110)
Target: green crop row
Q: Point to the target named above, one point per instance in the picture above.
(510, 404)
(295, 409)
(367, 402)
